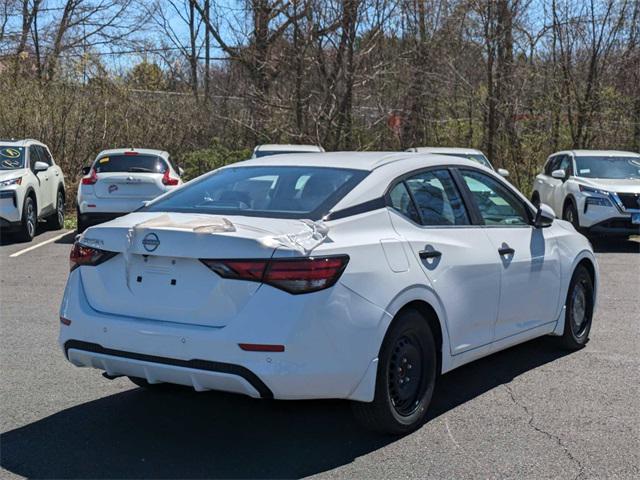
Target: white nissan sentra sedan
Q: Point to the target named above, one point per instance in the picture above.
(360, 276)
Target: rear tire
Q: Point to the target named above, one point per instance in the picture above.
(579, 310)
(80, 225)
(405, 379)
(29, 221)
(56, 220)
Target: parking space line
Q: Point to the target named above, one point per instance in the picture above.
(37, 245)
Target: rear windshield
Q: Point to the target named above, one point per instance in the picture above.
(130, 163)
(11, 158)
(269, 191)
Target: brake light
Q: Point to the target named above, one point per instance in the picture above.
(83, 255)
(130, 153)
(167, 180)
(91, 179)
(293, 275)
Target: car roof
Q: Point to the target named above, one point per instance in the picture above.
(464, 151)
(287, 147)
(367, 161)
(596, 153)
(143, 151)
(20, 143)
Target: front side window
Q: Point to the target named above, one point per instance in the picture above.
(437, 199)
(44, 155)
(268, 191)
(11, 158)
(130, 163)
(608, 167)
(552, 164)
(497, 205)
(565, 164)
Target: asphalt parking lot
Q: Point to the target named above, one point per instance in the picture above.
(529, 412)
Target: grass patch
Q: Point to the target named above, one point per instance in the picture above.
(70, 222)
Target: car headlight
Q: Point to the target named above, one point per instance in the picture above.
(13, 181)
(596, 191)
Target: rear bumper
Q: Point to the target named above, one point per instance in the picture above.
(202, 375)
(94, 218)
(331, 340)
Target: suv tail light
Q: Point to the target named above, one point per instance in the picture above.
(293, 275)
(167, 180)
(91, 179)
(83, 255)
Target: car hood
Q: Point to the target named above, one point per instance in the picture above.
(10, 174)
(613, 185)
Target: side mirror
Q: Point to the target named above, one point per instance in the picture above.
(503, 172)
(560, 174)
(181, 171)
(544, 216)
(86, 170)
(40, 167)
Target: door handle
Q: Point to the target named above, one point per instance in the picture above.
(506, 251)
(426, 254)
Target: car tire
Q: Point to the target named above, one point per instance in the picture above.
(535, 199)
(81, 226)
(56, 220)
(155, 387)
(408, 353)
(579, 310)
(29, 222)
(570, 214)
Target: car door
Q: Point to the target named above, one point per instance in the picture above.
(43, 193)
(528, 257)
(55, 174)
(456, 257)
(556, 201)
(543, 183)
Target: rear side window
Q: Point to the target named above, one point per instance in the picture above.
(269, 191)
(130, 163)
(430, 198)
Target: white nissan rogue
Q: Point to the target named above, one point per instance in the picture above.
(597, 191)
(31, 187)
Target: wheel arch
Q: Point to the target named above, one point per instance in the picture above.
(569, 199)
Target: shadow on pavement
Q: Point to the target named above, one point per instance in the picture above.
(8, 237)
(615, 245)
(68, 238)
(183, 434)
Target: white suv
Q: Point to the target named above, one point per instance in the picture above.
(31, 187)
(121, 180)
(597, 191)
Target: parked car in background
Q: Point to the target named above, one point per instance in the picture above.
(31, 187)
(278, 149)
(121, 180)
(359, 276)
(598, 191)
(468, 153)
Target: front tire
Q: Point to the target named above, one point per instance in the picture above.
(570, 214)
(56, 220)
(29, 220)
(579, 310)
(405, 379)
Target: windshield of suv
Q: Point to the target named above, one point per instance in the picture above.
(269, 191)
(608, 167)
(11, 158)
(130, 163)
(479, 158)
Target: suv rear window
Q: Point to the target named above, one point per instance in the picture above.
(269, 191)
(130, 163)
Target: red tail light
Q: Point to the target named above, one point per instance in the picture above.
(130, 153)
(83, 255)
(293, 275)
(167, 180)
(91, 179)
